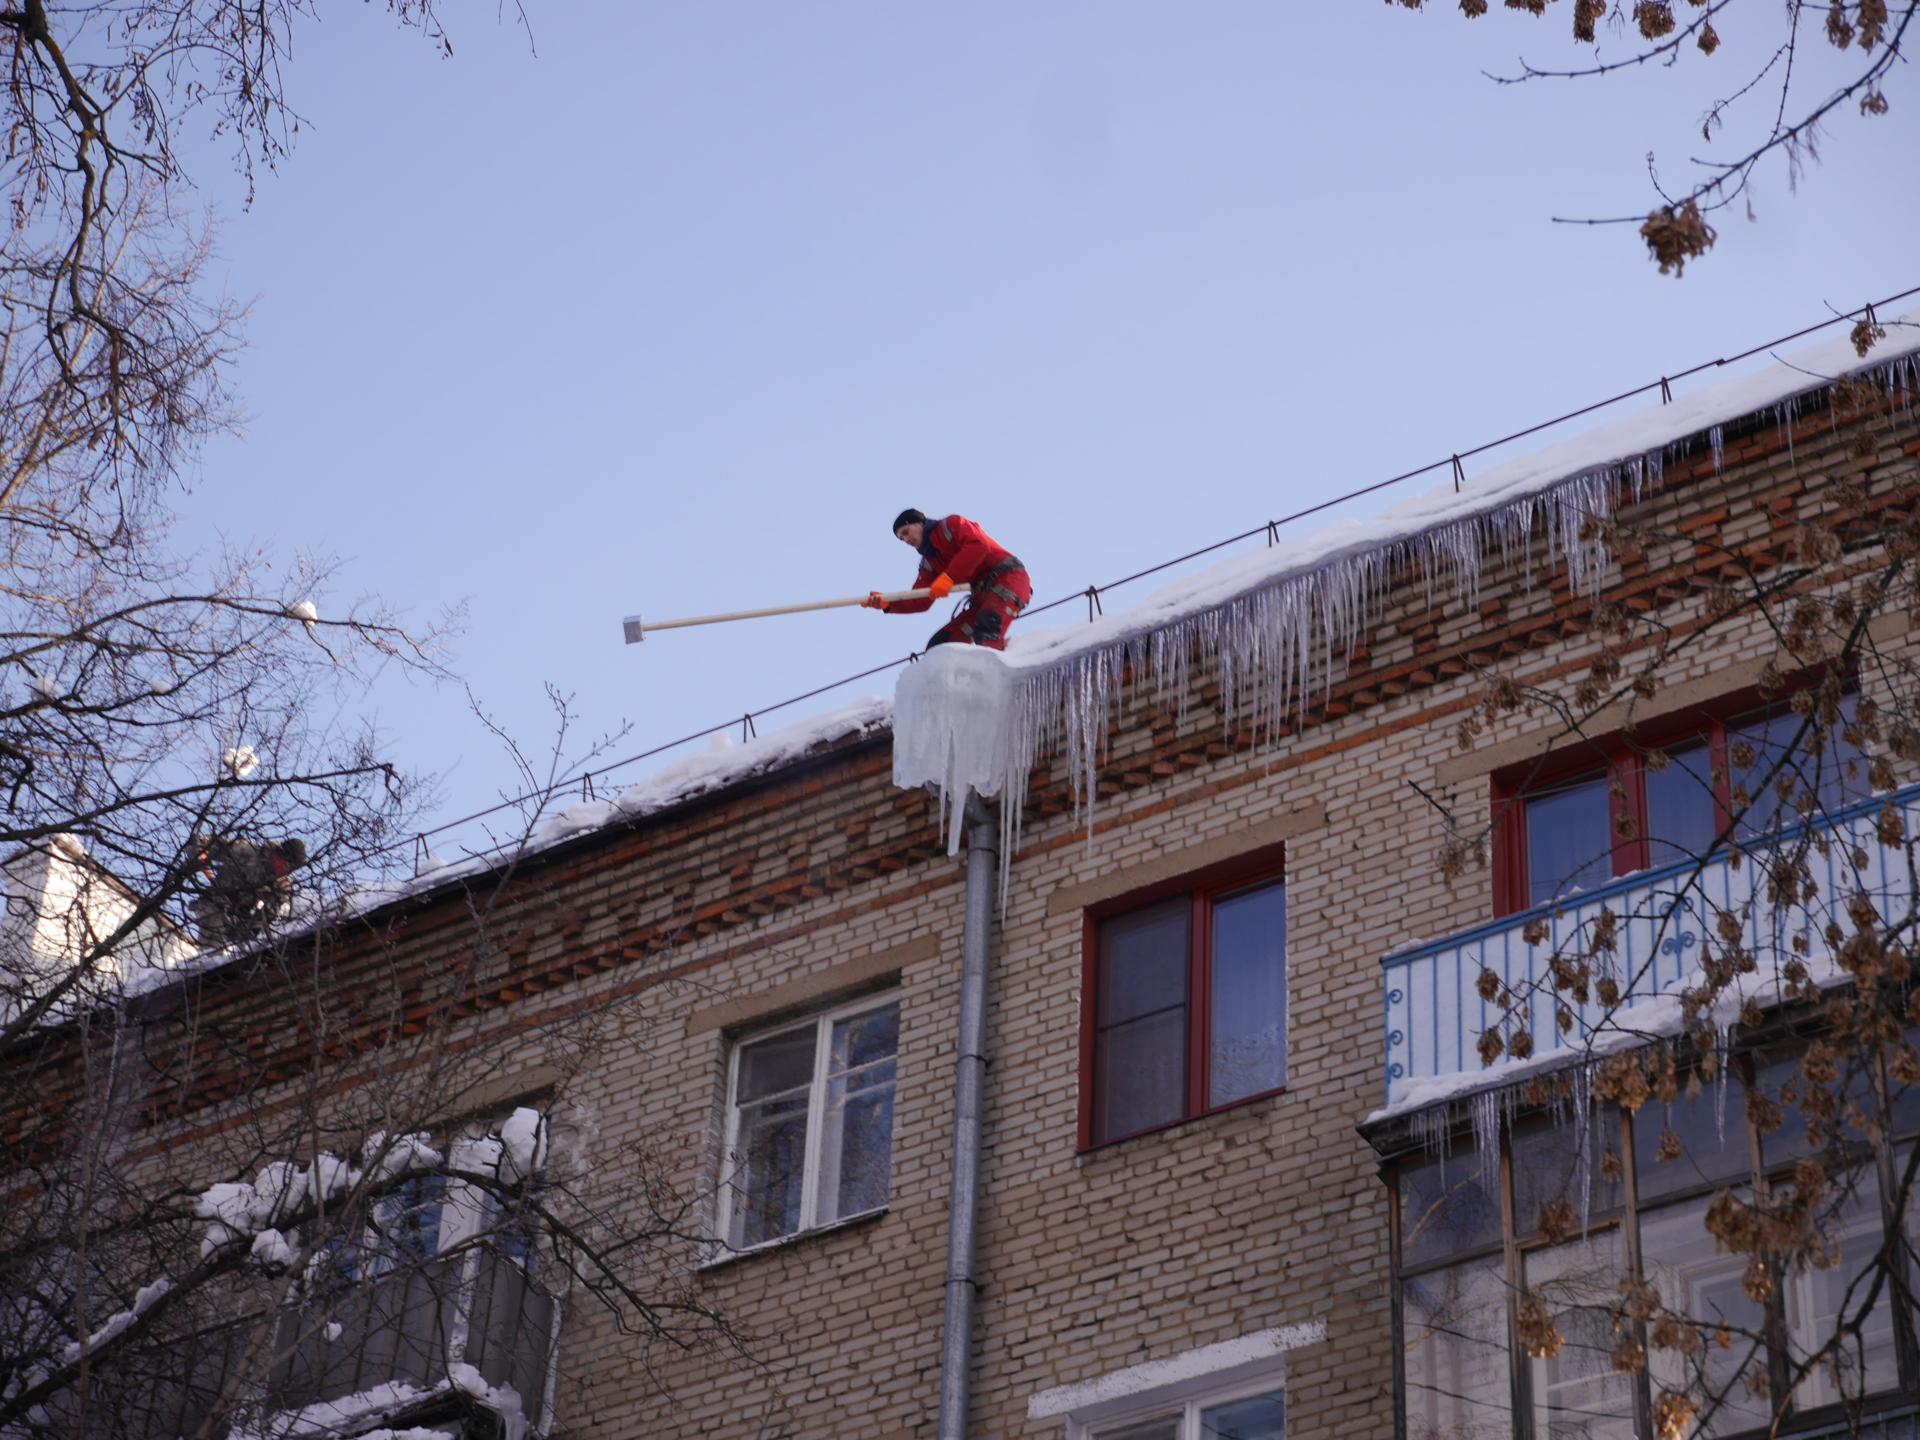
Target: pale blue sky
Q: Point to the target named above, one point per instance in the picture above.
(675, 313)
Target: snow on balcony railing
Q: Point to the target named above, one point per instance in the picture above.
(1665, 918)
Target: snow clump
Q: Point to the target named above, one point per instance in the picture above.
(272, 1251)
(524, 1140)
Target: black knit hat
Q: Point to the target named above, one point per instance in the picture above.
(908, 516)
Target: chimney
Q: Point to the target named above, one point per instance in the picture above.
(60, 905)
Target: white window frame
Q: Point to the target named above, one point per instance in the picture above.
(1170, 1406)
(821, 1022)
(466, 1210)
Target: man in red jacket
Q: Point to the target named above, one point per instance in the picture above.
(955, 551)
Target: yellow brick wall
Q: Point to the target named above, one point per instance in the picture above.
(1270, 1214)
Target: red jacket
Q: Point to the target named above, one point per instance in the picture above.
(954, 546)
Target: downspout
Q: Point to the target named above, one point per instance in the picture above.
(970, 1069)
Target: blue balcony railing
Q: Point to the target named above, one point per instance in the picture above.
(1664, 920)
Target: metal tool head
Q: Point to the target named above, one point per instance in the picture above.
(633, 629)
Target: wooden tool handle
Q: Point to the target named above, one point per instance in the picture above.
(637, 630)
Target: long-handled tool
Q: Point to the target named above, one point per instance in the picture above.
(636, 631)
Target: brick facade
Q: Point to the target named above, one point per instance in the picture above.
(821, 881)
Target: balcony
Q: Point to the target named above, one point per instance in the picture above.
(477, 1308)
(394, 1338)
(1433, 1011)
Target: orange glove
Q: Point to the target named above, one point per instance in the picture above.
(873, 601)
(940, 587)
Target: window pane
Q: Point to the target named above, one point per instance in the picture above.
(1576, 1390)
(1261, 1417)
(518, 1235)
(771, 1151)
(1821, 772)
(1700, 1281)
(406, 1223)
(1847, 1100)
(1143, 961)
(1569, 840)
(1140, 1046)
(1708, 1144)
(1164, 1429)
(1446, 1209)
(864, 1038)
(343, 1261)
(1140, 1071)
(1456, 1354)
(856, 1142)
(1249, 1000)
(1258, 1417)
(773, 1066)
(1903, 1100)
(1680, 813)
(1818, 1301)
(1755, 782)
(1554, 1161)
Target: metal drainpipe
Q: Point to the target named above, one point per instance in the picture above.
(970, 1068)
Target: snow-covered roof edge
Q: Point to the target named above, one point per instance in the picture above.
(721, 767)
(1629, 448)
(1280, 620)
(693, 778)
(1279, 614)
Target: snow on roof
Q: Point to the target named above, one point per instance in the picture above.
(1281, 614)
(1067, 671)
(951, 731)
(1636, 442)
(719, 768)
(1279, 623)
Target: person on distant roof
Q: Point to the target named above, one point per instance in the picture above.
(955, 551)
(247, 886)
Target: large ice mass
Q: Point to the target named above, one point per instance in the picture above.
(952, 729)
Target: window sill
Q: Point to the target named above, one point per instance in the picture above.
(727, 1258)
(1099, 1146)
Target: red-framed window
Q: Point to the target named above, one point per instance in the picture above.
(1662, 794)
(1184, 1003)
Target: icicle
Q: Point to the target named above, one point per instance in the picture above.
(1720, 1038)
(1486, 1135)
(1583, 1138)
(1283, 644)
(1432, 1130)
